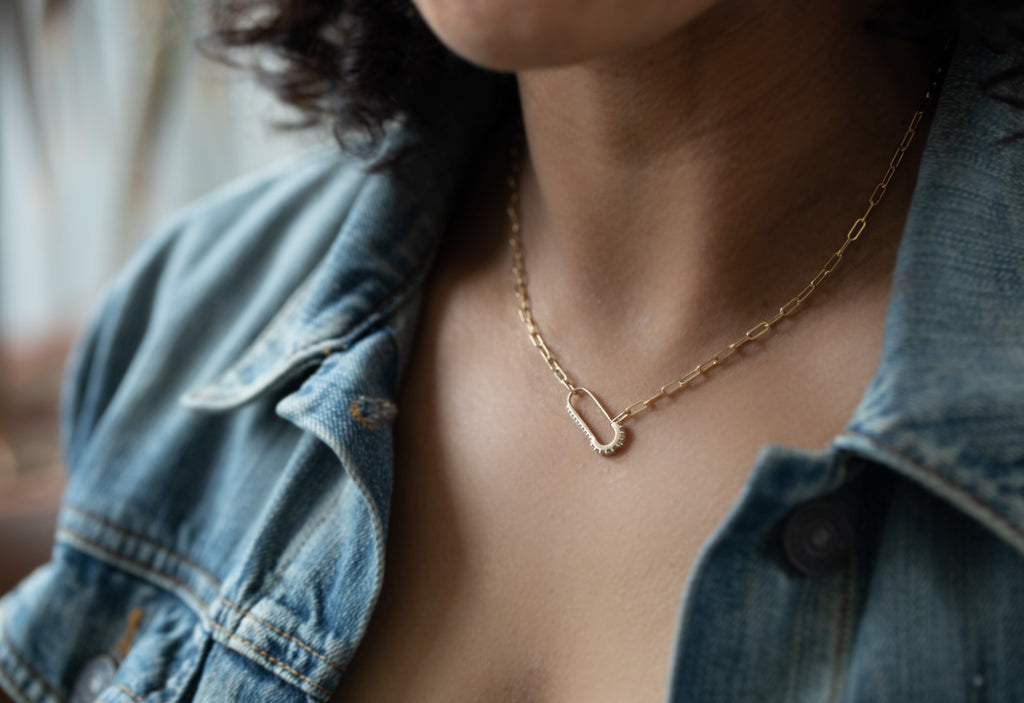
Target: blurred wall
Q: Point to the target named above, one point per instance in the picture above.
(109, 119)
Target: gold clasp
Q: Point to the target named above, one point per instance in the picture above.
(619, 437)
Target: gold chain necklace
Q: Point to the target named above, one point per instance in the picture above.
(716, 359)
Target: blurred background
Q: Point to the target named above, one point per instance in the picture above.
(110, 118)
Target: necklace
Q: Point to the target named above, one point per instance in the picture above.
(576, 392)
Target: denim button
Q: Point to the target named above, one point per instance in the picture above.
(818, 538)
(95, 676)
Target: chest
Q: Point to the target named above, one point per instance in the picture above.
(521, 565)
(503, 585)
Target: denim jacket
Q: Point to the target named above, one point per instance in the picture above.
(229, 450)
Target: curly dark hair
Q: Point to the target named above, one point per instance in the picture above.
(358, 65)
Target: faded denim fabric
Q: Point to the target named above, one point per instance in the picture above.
(228, 436)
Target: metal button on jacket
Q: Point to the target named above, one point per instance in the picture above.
(95, 676)
(818, 538)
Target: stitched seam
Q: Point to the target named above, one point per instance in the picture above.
(279, 573)
(18, 691)
(145, 567)
(403, 288)
(270, 658)
(145, 540)
(297, 641)
(268, 334)
(843, 631)
(21, 660)
(292, 361)
(946, 480)
(358, 327)
(133, 694)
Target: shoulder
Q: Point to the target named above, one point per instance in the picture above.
(206, 281)
(175, 510)
(276, 216)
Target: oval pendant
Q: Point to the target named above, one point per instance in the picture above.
(619, 433)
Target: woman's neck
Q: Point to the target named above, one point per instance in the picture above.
(705, 177)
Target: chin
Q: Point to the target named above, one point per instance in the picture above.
(513, 35)
(504, 35)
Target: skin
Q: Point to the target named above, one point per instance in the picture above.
(513, 36)
(691, 165)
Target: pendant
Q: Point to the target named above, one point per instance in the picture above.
(619, 436)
